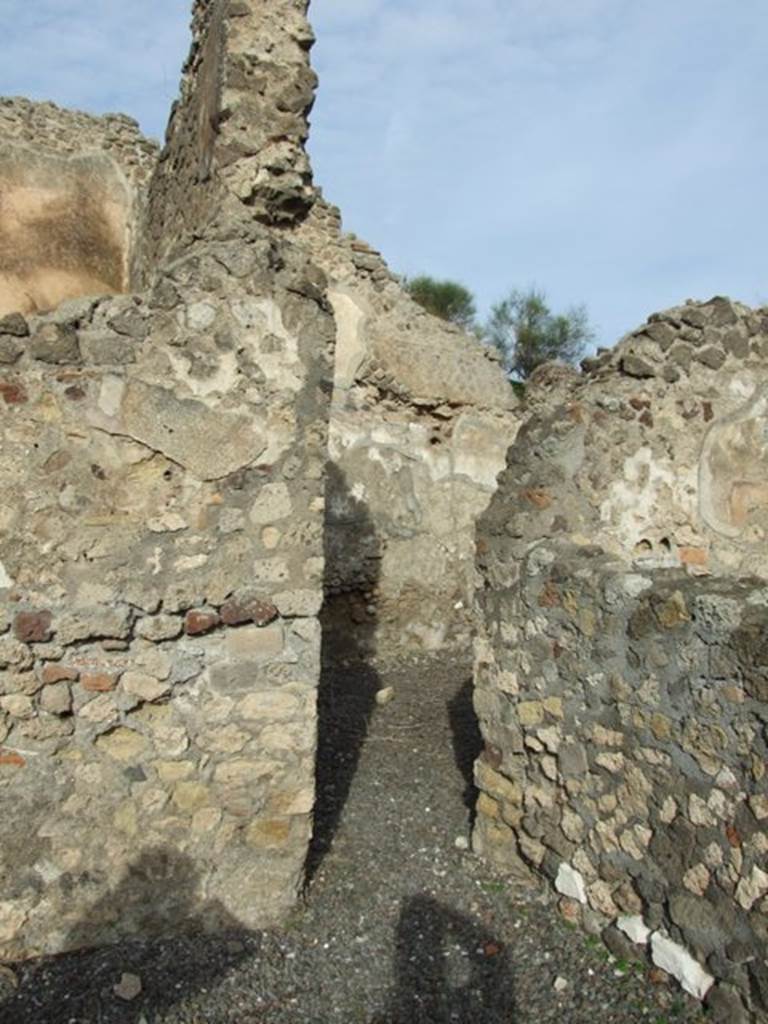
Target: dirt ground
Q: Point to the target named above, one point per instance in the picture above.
(400, 924)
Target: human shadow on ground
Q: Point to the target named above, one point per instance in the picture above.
(448, 970)
(348, 680)
(467, 741)
(159, 895)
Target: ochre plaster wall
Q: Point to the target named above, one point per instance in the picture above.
(64, 229)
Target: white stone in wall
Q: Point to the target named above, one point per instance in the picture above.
(570, 883)
(752, 888)
(635, 585)
(678, 962)
(200, 315)
(635, 928)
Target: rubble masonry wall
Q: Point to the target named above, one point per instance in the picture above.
(421, 419)
(621, 664)
(161, 568)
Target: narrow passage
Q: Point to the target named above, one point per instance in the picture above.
(401, 924)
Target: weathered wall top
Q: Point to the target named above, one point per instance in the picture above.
(239, 129)
(47, 128)
(385, 339)
(658, 453)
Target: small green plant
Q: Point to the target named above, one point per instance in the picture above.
(527, 333)
(493, 886)
(594, 942)
(448, 300)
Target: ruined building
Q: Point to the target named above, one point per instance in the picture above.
(170, 525)
(229, 437)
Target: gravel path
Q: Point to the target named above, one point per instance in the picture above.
(399, 926)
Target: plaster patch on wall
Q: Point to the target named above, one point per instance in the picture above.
(350, 343)
(111, 395)
(65, 228)
(210, 443)
(733, 473)
(631, 508)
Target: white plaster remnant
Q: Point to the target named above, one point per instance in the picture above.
(570, 883)
(211, 443)
(635, 585)
(479, 450)
(635, 928)
(678, 962)
(350, 343)
(631, 507)
(222, 380)
(539, 559)
(5, 579)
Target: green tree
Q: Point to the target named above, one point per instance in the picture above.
(527, 333)
(447, 299)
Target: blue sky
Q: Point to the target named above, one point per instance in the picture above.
(613, 152)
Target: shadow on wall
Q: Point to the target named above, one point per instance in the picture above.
(448, 971)
(158, 895)
(348, 679)
(468, 742)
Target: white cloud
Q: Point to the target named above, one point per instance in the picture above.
(610, 150)
(100, 57)
(607, 149)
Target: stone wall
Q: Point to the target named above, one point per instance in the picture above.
(72, 194)
(161, 576)
(421, 414)
(235, 140)
(44, 127)
(168, 511)
(681, 401)
(620, 671)
(421, 419)
(625, 717)
(161, 568)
